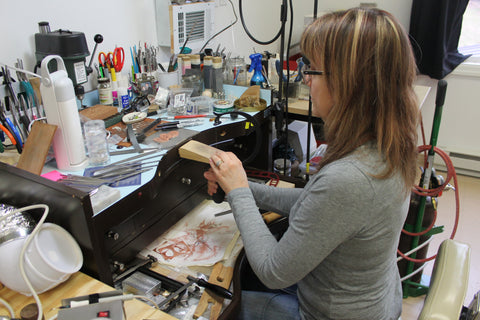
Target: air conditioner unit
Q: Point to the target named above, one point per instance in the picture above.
(177, 22)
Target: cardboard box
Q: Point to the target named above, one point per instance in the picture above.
(297, 138)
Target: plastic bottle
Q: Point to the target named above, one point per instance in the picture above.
(123, 96)
(256, 66)
(61, 110)
(114, 85)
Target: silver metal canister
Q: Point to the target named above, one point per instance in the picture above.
(14, 226)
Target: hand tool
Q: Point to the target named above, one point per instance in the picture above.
(9, 135)
(90, 183)
(15, 108)
(142, 135)
(120, 172)
(133, 138)
(30, 98)
(105, 59)
(24, 118)
(216, 289)
(219, 214)
(148, 154)
(101, 171)
(178, 125)
(186, 116)
(17, 141)
(26, 87)
(118, 58)
(145, 263)
(172, 62)
(114, 167)
(120, 152)
(175, 294)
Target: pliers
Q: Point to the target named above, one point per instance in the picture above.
(9, 135)
(9, 129)
(14, 99)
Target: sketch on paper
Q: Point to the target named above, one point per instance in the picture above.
(199, 239)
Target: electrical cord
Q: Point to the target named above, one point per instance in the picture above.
(24, 248)
(230, 25)
(282, 18)
(256, 128)
(289, 42)
(9, 308)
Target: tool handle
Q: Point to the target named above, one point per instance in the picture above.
(143, 134)
(439, 101)
(441, 92)
(220, 291)
(219, 196)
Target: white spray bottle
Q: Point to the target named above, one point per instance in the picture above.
(61, 110)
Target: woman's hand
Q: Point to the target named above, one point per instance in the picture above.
(226, 170)
(212, 185)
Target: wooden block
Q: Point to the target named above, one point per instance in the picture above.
(36, 147)
(197, 151)
(269, 217)
(99, 112)
(222, 276)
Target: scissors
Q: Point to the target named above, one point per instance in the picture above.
(118, 58)
(105, 59)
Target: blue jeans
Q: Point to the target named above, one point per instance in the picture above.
(274, 305)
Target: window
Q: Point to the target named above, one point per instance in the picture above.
(469, 42)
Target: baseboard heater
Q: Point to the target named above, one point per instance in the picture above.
(463, 163)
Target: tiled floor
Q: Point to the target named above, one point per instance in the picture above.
(468, 232)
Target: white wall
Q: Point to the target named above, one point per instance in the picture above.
(129, 22)
(459, 128)
(263, 19)
(121, 22)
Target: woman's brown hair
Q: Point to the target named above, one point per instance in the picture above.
(369, 68)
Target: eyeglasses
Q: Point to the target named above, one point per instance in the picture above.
(307, 73)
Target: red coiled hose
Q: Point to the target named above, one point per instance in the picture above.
(435, 193)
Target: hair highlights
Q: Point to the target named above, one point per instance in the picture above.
(370, 73)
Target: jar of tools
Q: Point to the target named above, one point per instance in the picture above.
(235, 71)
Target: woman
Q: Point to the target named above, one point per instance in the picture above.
(344, 226)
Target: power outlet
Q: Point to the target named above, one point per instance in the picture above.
(368, 4)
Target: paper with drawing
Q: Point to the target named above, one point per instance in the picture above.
(198, 239)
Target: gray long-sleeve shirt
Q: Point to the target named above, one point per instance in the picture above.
(340, 246)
